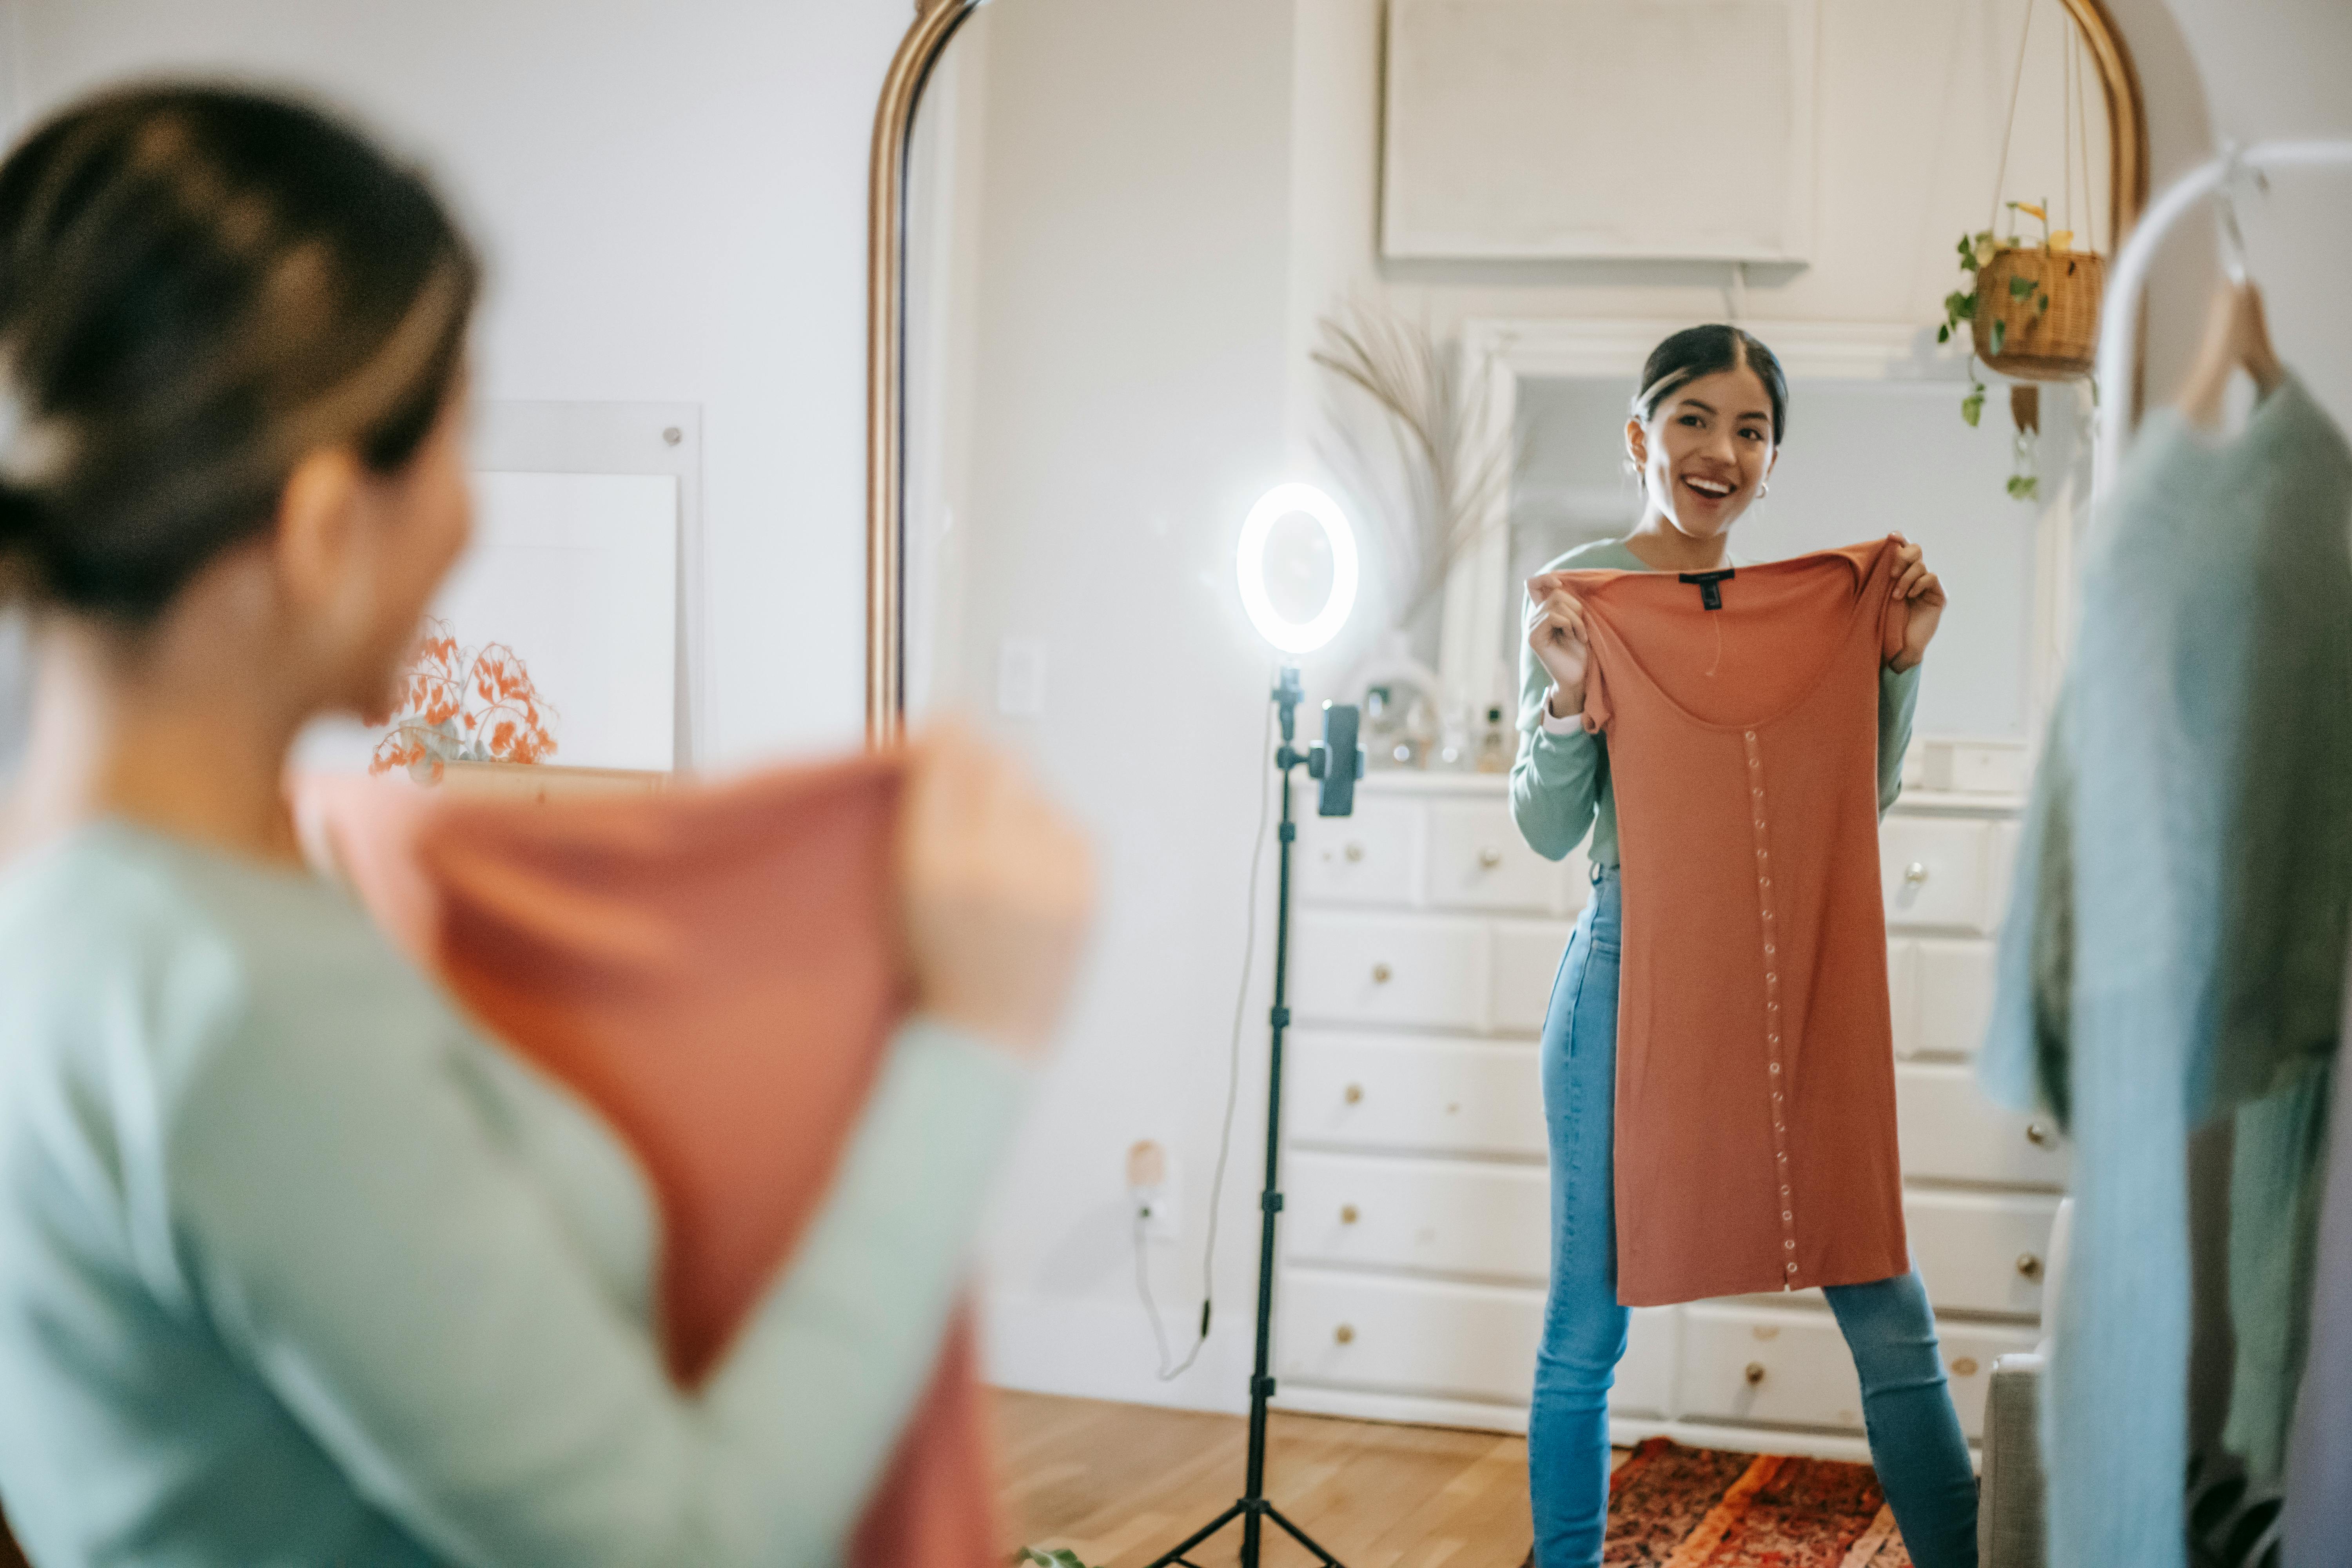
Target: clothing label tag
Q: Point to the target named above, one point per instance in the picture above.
(1710, 586)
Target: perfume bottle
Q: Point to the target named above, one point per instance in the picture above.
(1495, 743)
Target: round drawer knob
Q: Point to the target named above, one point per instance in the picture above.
(1354, 1094)
(1381, 973)
(1346, 1214)
(1916, 873)
(1965, 1367)
(2029, 1266)
(1755, 1373)
(1344, 1335)
(1490, 858)
(1355, 852)
(2039, 1134)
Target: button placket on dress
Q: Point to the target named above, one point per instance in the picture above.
(1759, 814)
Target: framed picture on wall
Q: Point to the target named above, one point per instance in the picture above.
(1532, 130)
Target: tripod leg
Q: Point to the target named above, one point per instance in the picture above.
(1198, 1536)
(1301, 1537)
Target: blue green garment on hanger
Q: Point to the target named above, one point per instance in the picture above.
(2175, 948)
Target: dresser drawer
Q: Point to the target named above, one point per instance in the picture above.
(1786, 1366)
(1773, 1365)
(1526, 963)
(1478, 861)
(1411, 1336)
(1441, 1216)
(1426, 970)
(1980, 1252)
(1934, 872)
(1952, 980)
(1449, 1340)
(1428, 1096)
(2001, 875)
(1371, 858)
(1950, 1132)
(1903, 994)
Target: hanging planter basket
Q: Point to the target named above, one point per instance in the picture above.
(2037, 312)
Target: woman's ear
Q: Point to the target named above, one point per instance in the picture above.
(1637, 445)
(316, 535)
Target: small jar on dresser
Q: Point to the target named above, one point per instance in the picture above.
(1416, 1229)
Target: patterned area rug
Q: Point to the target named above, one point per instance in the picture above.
(1672, 1507)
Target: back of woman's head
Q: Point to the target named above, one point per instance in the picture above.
(198, 286)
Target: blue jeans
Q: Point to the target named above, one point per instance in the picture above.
(1914, 1435)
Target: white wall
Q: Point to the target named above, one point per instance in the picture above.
(672, 198)
(2283, 70)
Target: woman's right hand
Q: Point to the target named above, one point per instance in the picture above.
(997, 891)
(1556, 633)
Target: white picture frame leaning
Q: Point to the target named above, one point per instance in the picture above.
(586, 566)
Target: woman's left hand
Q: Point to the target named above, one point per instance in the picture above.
(1924, 593)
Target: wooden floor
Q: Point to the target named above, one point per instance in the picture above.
(1120, 1484)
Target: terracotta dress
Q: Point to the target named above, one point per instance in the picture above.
(1755, 1125)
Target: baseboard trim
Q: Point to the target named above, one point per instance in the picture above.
(1091, 1348)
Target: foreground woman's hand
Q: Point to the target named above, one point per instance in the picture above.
(997, 888)
(1923, 592)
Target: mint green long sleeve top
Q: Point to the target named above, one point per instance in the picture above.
(297, 1268)
(1559, 784)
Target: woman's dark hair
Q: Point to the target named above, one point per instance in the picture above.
(1696, 351)
(198, 286)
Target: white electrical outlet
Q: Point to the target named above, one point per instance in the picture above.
(1152, 1187)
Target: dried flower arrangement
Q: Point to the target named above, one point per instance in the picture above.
(1436, 473)
(464, 705)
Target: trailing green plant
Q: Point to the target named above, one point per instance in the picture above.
(1976, 250)
(1061, 1558)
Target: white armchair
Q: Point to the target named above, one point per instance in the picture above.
(2009, 1513)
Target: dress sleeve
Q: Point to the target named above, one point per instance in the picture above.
(1893, 620)
(356, 1232)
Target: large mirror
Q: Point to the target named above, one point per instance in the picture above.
(1126, 257)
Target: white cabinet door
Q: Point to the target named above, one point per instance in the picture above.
(1478, 861)
(1980, 1252)
(1429, 970)
(1950, 1132)
(1442, 1217)
(1371, 858)
(1526, 962)
(1442, 1338)
(1425, 1096)
(1766, 1365)
(1933, 871)
(1955, 991)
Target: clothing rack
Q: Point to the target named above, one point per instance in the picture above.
(2119, 320)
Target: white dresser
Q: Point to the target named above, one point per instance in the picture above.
(1415, 1235)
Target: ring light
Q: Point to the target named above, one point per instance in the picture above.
(1296, 636)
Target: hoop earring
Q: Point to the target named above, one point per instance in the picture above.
(1762, 490)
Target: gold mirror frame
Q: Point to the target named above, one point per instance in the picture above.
(936, 22)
